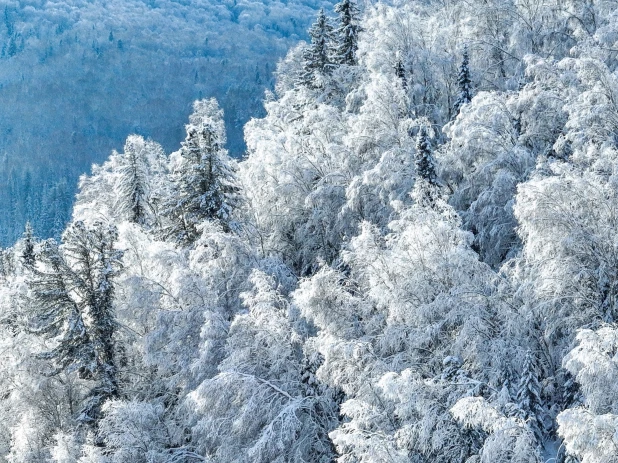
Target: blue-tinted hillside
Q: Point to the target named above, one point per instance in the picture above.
(77, 77)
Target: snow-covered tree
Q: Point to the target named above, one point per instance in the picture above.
(125, 187)
(589, 430)
(528, 396)
(318, 55)
(346, 33)
(136, 200)
(423, 160)
(463, 82)
(509, 438)
(297, 168)
(73, 295)
(202, 176)
(28, 254)
(261, 406)
(385, 326)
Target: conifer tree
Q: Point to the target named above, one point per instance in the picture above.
(8, 21)
(318, 55)
(424, 161)
(28, 255)
(133, 173)
(400, 72)
(464, 83)
(73, 293)
(529, 395)
(347, 32)
(204, 184)
(12, 49)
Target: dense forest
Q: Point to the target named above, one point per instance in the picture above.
(415, 261)
(77, 77)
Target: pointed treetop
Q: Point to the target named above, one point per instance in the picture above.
(424, 161)
(347, 32)
(464, 82)
(28, 254)
(317, 56)
(400, 72)
(529, 395)
(204, 183)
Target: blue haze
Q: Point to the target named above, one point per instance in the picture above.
(77, 77)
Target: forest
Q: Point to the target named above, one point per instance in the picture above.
(415, 260)
(77, 77)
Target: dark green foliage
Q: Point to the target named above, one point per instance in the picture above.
(464, 82)
(73, 293)
(400, 72)
(317, 57)
(204, 185)
(347, 32)
(28, 255)
(424, 161)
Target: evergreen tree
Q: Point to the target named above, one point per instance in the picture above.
(73, 293)
(317, 60)
(12, 49)
(400, 71)
(8, 22)
(133, 179)
(424, 161)
(204, 184)
(464, 82)
(529, 395)
(347, 32)
(27, 255)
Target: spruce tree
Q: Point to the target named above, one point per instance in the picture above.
(317, 56)
(73, 293)
(133, 180)
(8, 22)
(424, 161)
(347, 32)
(12, 48)
(204, 184)
(464, 83)
(400, 72)
(529, 395)
(28, 255)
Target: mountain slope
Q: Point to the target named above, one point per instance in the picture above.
(77, 77)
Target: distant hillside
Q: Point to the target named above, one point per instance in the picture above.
(77, 77)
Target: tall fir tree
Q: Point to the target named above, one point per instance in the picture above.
(424, 160)
(204, 184)
(529, 396)
(400, 72)
(133, 179)
(347, 32)
(464, 82)
(28, 255)
(73, 293)
(317, 57)
(12, 48)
